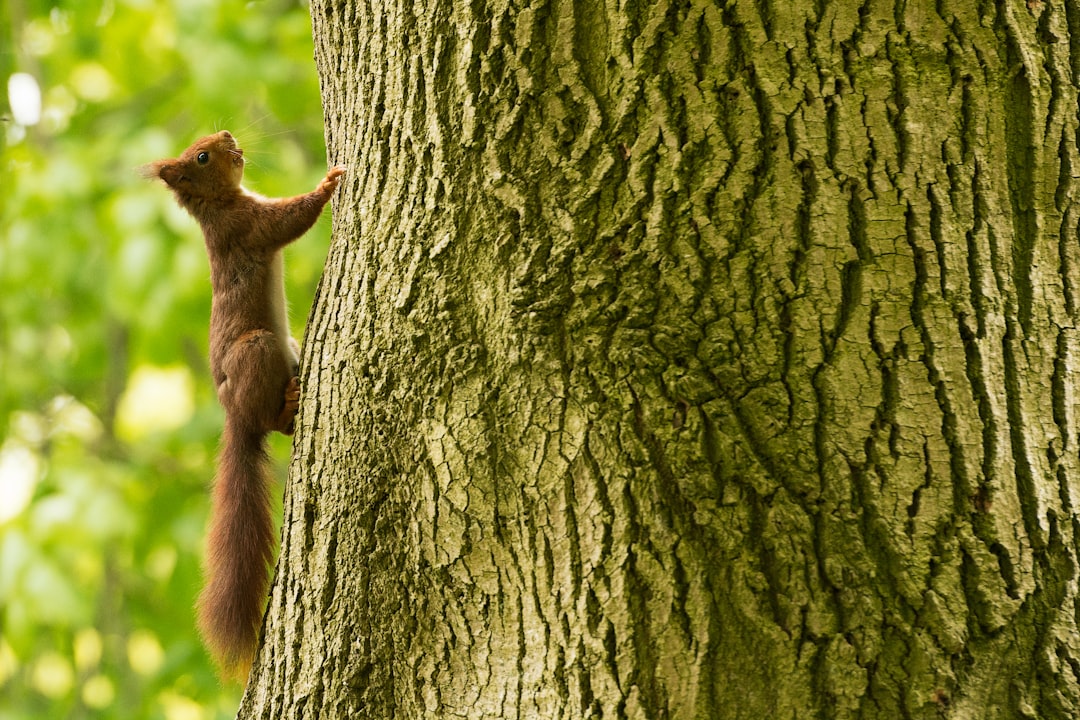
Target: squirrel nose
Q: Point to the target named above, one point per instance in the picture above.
(226, 134)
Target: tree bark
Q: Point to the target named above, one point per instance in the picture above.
(692, 360)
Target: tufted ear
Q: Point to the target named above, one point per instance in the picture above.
(167, 170)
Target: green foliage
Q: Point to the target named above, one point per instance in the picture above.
(108, 419)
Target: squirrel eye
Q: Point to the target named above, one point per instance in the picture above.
(203, 158)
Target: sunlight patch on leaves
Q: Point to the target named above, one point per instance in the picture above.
(156, 399)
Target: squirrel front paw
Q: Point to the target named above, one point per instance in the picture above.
(333, 177)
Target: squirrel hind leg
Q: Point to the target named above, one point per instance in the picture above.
(286, 421)
(260, 392)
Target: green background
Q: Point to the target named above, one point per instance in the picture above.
(108, 419)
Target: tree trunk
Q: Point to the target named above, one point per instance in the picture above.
(689, 360)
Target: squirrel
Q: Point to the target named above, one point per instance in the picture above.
(254, 362)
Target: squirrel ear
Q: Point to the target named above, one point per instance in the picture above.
(166, 170)
(151, 171)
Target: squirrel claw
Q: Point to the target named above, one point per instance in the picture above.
(333, 176)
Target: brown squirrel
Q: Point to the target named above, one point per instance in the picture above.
(254, 362)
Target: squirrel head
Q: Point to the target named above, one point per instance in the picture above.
(213, 166)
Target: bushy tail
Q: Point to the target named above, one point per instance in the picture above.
(239, 548)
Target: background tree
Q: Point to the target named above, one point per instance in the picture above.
(689, 359)
(108, 419)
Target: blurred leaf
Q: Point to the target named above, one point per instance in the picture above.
(52, 596)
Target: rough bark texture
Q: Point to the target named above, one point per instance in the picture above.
(691, 360)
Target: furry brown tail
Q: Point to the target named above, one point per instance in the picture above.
(239, 548)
